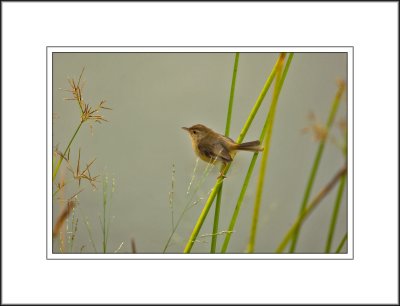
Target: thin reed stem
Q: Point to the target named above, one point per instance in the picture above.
(239, 203)
(232, 95)
(341, 244)
(258, 103)
(217, 185)
(66, 150)
(171, 195)
(264, 159)
(250, 171)
(216, 221)
(318, 156)
(105, 186)
(335, 214)
(89, 230)
(307, 211)
(214, 237)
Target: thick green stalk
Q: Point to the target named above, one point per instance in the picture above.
(341, 244)
(227, 130)
(318, 156)
(242, 193)
(307, 211)
(239, 203)
(203, 215)
(217, 185)
(66, 150)
(257, 203)
(335, 214)
(264, 159)
(250, 171)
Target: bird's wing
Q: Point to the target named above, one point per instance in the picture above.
(215, 151)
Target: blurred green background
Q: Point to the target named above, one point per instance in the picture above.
(152, 95)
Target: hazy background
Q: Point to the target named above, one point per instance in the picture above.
(152, 95)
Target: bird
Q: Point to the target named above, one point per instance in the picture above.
(211, 146)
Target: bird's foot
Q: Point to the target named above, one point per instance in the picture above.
(221, 175)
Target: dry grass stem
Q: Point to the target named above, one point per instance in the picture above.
(71, 203)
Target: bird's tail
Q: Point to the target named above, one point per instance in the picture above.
(253, 146)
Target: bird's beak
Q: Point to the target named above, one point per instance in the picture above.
(186, 129)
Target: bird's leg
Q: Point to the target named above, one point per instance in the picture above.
(221, 174)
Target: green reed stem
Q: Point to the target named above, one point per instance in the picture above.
(318, 156)
(217, 185)
(239, 201)
(335, 214)
(264, 159)
(203, 214)
(341, 244)
(258, 103)
(232, 95)
(250, 171)
(338, 201)
(227, 130)
(307, 211)
(216, 220)
(66, 150)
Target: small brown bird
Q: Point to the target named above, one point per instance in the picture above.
(211, 146)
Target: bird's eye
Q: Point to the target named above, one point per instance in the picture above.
(194, 132)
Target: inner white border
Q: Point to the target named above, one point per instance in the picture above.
(350, 205)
